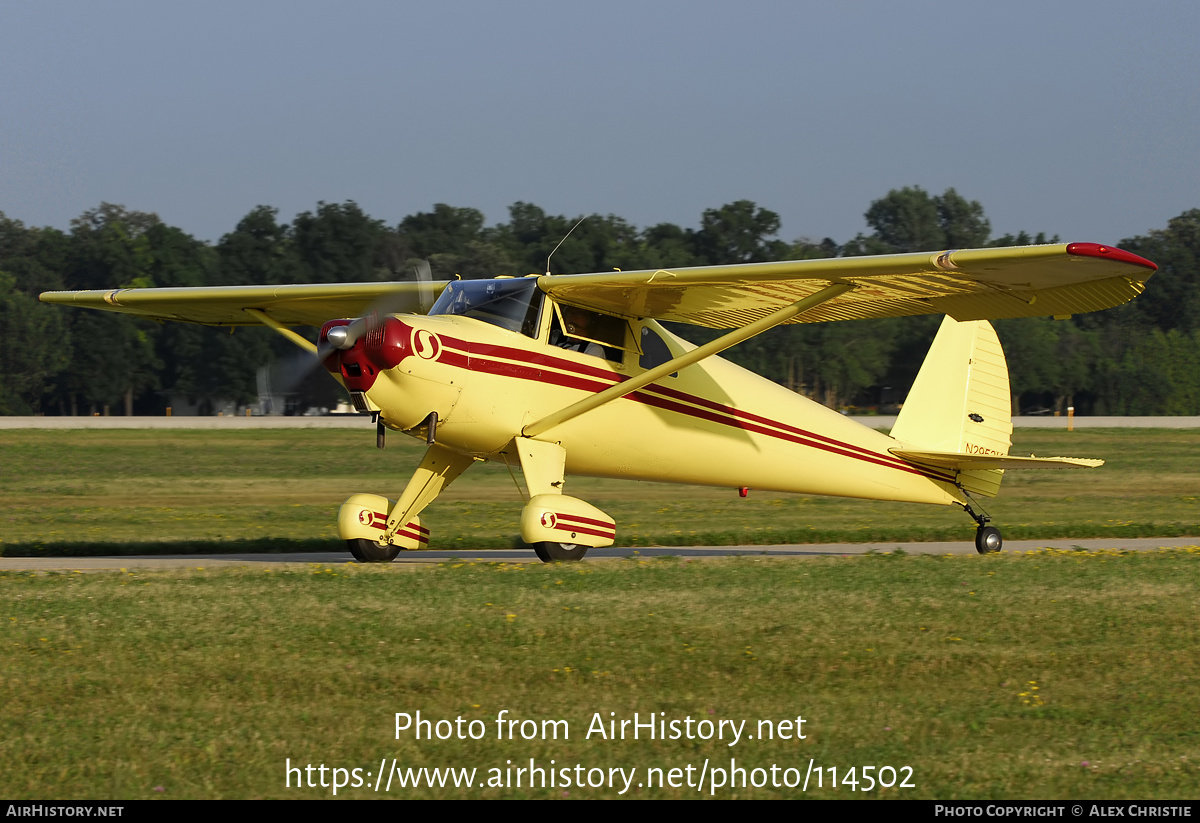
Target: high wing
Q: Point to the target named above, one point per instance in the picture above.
(973, 284)
(301, 305)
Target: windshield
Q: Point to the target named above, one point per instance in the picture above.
(510, 304)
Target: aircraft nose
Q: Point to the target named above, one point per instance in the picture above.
(339, 337)
(359, 358)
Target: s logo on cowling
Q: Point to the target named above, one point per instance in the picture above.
(426, 344)
(549, 520)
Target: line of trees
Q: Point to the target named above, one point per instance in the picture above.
(1141, 358)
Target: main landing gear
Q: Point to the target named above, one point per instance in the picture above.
(988, 539)
(376, 529)
(550, 552)
(368, 551)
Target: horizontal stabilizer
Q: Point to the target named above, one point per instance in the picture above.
(968, 462)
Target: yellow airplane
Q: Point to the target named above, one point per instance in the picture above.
(563, 375)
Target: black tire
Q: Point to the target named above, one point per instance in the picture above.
(988, 540)
(368, 551)
(564, 552)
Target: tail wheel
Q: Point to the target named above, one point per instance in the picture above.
(988, 540)
(368, 551)
(550, 552)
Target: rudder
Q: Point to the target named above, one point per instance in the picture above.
(960, 401)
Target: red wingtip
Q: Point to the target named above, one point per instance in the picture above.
(1109, 253)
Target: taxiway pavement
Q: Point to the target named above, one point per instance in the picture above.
(212, 561)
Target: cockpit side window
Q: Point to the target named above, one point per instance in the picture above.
(560, 340)
(513, 304)
(589, 332)
(654, 350)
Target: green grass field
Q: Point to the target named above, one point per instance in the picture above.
(101, 492)
(1042, 675)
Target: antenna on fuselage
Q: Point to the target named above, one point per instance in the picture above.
(560, 242)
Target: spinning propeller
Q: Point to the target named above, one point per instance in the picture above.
(412, 297)
(407, 298)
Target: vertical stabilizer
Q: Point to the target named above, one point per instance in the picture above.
(960, 401)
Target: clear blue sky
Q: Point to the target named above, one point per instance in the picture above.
(1076, 118)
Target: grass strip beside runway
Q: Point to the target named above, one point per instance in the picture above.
(1041, 675)
(163, 491)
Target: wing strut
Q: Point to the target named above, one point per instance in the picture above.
(686, 359)
(439, 468)
(267, 320)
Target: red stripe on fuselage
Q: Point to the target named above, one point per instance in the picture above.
(478, 360)
(695, 400)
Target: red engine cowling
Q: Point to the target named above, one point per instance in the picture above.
(382, 347)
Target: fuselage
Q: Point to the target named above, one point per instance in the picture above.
(712, 423)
